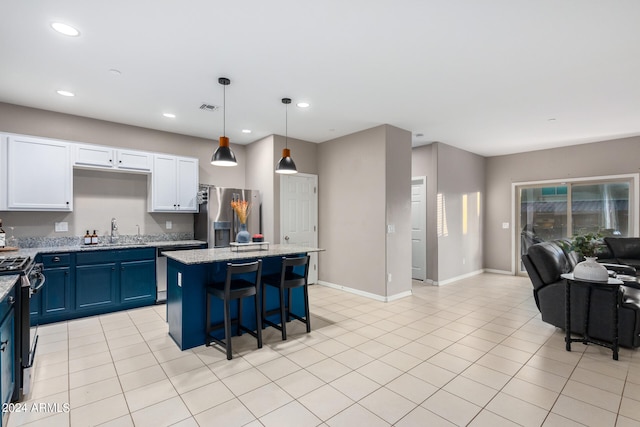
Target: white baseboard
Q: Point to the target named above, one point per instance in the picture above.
(455, 279)
(494, 271)
(365, 294)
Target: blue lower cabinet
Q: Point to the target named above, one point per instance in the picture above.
(92, 282)
(55, 297)
(137, 281)
(96, 286)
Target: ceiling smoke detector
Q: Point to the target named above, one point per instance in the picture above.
(209, 107)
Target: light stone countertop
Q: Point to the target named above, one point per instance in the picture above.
(6, 283)
(32, 252)
(205, 256)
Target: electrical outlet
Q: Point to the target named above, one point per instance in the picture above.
(168, 225)
(505, 225)
(389, 277)
(61, 227)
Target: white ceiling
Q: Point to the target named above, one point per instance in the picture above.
(492, 77)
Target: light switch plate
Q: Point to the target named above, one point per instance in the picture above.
(505, 225)
(61, 227)
(168, 225)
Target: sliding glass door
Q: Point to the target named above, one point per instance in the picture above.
(554, 210)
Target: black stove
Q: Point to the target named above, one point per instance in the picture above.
(14, 264)
(30, 281)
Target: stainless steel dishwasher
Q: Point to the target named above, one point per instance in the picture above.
(161, 266)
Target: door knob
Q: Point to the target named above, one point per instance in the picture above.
(286, 238)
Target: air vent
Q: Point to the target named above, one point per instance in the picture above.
(209, 107)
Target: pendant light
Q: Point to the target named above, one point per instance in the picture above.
(223, 155)
(286, 164)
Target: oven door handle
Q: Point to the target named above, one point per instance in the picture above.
(41, 280)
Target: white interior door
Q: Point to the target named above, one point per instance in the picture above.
(299, 214)
(419, 228)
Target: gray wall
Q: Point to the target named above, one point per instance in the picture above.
(454, 174)
(461, 174)
(615, 157)
(259, 176)
(398, 206)
(357, 184)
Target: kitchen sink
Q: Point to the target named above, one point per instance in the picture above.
(113, 245)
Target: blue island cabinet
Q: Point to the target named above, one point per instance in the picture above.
(186, 290)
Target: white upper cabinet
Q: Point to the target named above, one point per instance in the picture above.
(97, 156)
(36, 174)
(187, 184)
(3, 172)
(93, 155)
(39, 174)
(134, 160)
(173, 184)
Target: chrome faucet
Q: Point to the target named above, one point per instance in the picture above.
(114, 230)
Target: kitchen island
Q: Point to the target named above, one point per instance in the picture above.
(189, 272)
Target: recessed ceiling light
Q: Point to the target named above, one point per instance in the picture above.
(65, 93)
(65, 29)
(115, 72)
(169, 115)
(246, 130)
(303, 104)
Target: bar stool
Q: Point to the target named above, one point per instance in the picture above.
(287, 279)
(235, 288)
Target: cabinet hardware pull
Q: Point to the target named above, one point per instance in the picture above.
(56, 259)
(11, 300)
(4, 345)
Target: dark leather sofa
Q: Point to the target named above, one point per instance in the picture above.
(621, 250)
(545, 262)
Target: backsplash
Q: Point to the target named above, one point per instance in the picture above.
(47, 242)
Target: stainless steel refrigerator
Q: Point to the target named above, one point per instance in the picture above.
(217, 223)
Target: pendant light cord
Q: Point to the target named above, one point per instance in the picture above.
(224, 110)
(286, 125)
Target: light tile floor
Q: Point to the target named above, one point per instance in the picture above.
(474, 352)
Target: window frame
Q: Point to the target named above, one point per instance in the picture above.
(634, 214)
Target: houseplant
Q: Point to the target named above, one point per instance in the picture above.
(588, 245)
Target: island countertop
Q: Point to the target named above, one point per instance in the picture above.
(205, 256)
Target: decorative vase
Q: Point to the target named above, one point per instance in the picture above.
(243, 235)
(591, 271)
